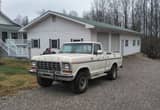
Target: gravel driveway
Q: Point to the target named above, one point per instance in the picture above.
(137, 88)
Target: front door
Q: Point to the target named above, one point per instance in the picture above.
(4, 36)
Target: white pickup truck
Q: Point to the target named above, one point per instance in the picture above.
(77, 63)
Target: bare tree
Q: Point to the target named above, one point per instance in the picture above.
(115, 7)
(139, 15)
(64, 11)
(22, 21)
(18, 19)
(25, 21)
(73, 13)
(125, 9)
(98, 10)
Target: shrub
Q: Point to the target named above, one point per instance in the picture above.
(151, 47)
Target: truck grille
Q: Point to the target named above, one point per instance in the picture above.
(48, 66)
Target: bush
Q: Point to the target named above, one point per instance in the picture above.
(151, 47)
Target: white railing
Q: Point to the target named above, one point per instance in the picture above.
(3, 45)
(13, 47)
(22, 52)
(18, 41)
(19, 51)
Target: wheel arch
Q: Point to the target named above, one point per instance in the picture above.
(84, 69)
(115, 64)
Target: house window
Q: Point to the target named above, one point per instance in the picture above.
(54, 43)
(4, 36)
(77, 40)
(138, 42)
(14, 35)
(24, 35)
(134, 42)
(36, 43)
(126, 43)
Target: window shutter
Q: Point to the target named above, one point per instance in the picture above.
(58, 43)
(32, 43)
(39, 43)
(50, 43)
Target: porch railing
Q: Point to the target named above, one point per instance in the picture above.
(19, 51)
(18, 41)
(3, 45)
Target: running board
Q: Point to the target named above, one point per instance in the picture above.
(98, 75)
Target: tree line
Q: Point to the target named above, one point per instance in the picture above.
(138, 15)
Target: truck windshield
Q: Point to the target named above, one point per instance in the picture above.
(82, 48)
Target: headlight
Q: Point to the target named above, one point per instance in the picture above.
(34, 63)
(66, 66)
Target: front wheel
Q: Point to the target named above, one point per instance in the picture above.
(80, 84)
(44, 82)
(113, 74)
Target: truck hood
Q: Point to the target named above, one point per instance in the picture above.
(63, 57)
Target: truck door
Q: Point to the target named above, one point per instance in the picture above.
(99, 61)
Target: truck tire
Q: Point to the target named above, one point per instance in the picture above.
(80, 84)
(43, 82)
(113, 73)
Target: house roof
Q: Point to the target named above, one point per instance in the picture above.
(8, 19)
(87, 23)
(9, 27)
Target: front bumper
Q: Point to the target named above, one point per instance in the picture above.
(57, 76)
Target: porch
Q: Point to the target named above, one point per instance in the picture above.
(14, 43)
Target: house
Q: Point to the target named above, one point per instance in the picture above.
(52, 29)
(12, 42)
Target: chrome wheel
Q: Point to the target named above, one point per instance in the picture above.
(82, 83)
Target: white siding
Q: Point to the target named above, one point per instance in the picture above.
(130, 49)
(4, 21)
(56, 29)
(94, 36)
(66, 30)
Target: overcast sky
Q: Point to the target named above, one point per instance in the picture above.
(30, 7)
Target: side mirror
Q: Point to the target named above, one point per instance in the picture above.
(99, 52)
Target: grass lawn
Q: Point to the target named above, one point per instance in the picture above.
(14, 76)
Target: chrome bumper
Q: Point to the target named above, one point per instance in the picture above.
(57, 76)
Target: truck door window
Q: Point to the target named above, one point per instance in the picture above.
(96, 48)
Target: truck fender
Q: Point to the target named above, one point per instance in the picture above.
(83, 68)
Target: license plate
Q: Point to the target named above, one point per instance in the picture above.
(46, 72)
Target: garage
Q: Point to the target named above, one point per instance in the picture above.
(115, 43)
(104, 39)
